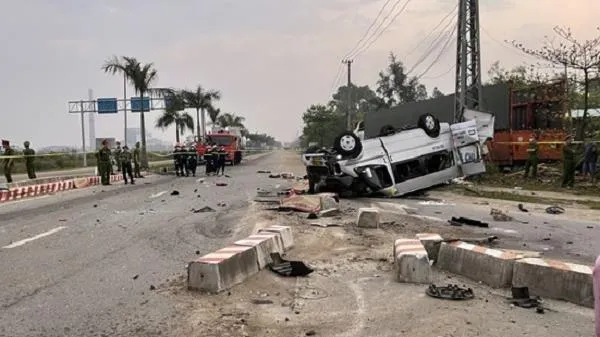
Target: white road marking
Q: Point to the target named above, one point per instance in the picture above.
(33, 238)
(157, 194)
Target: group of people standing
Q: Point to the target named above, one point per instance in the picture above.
(127, 162)
(216, 157)
(185, 160)
(590, 157)
(9, 163)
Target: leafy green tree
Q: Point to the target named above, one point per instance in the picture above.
(395, 87)
(176, 115)
(228, 119)
(201, 100)
(362, 100)
(322, 124)
(141, 76)
(213, 114)
(436, 93)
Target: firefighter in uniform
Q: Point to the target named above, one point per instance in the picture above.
(222, 156)
(532, 161)
(568, 178)
(192, 160)
(209, 157)
(183, 155)
(176, 158)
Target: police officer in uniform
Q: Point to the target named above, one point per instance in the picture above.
(105, 163)
(118, 156)
(532, 161)
(125, 160)
(29, 154)
(568, 179)
(8, 162)
(183, 155)
(209, 157)
(222, 156)
(136, 161)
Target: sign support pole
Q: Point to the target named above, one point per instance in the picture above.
(83, 135)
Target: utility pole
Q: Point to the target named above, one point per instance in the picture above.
(348, 63)
(125, 108)
(468, 93)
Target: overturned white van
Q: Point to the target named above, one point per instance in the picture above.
(401, 162)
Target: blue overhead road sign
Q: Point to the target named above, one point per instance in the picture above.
(137, 104)
(107, 105)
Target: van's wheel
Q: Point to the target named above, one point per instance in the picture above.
(430, 124)
(387, 130)
(348, 145)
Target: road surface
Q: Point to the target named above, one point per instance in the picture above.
(91, 262)
(71, 172)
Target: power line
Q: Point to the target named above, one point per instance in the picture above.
(361, 51)
(444, 48)
(434, 44)
(354, 49)
(440, 75)
(452, 12)
(336, 80)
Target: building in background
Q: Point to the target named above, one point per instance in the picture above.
(133, 135)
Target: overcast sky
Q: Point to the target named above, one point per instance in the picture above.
(270, 58)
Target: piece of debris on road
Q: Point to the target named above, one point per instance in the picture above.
(499, 215)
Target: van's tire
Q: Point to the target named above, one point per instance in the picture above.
(387, 130)
(430, 124)
(348, 145)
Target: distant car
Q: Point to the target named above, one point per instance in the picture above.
(400, 161)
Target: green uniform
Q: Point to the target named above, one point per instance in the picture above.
(105, 165)
(8, 164)
(125, 160)
(117, 153)
(29, 161)
(98, 166)
(532, 161)
(568, 178)
(136, 162)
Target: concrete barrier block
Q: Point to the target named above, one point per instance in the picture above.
(432, 243)
(222, 269)
(555, 279)
(285, 233)
(411, 263)
(490, 266)
(368, 218)
(265, 244)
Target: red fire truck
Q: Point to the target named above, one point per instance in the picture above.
(230, 138)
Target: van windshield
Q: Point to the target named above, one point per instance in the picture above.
(221, 139)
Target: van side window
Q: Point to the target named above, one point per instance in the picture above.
(423, 165)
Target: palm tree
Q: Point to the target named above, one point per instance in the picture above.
(201, 100)
(141, 76)
(228, 119)
(175, 114)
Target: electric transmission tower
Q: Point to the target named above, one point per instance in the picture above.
(468, 60)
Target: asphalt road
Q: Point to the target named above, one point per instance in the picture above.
(73, 172)
(82, 262)
(567, 236)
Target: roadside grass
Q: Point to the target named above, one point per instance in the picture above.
(522, 198)
(67, 161)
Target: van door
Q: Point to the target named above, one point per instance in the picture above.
(485, 123)
(468, 148)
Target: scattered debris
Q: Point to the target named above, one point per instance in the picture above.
(555, 210)
(460, 181)
(312, 216)
(288, 268)
(522, 209)
(175, 192)
(498, 215)
(481, 203)
(135, 277)
(469, 222)
(434, 203)
(590, 227)
(450, 292)
(219, 183)
(274, 175)
(261, 301)
(324, 223)
(310, 333)
(287, 175)
(221, 204)
(488, 239)
(197, 252)
(263, 171)
(95, 205)
(521, 298)
(152, 287)
(329, 212)
(62, 220)
(203, 210)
